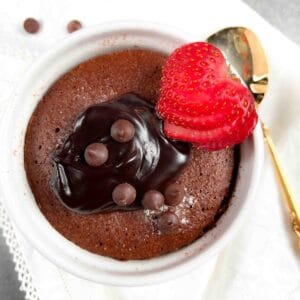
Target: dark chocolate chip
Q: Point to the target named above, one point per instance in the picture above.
(31, 25)
(174, 194)
(153, 200)
(74, 25)
(122, 131)
(96, 154)
(167, 222)
(124, 194)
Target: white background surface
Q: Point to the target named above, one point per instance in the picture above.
(271, 271)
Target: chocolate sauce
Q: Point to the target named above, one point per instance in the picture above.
(148, 161)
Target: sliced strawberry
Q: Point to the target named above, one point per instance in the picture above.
(214, 139)
(227, 99)
(209, 140)
(200, 102)
(196, 58)
(243, 130)
(194, 68)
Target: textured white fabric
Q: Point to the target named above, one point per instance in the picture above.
(261, 262)
(12, 241)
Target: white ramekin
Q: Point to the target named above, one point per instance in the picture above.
(20, 202)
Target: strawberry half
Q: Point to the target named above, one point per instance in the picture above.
(200, 102)
(214, 139)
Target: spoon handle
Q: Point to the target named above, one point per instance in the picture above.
(285, 188)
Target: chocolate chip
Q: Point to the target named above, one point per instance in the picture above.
(167, 222)
(174, 194)
(122, 131)
(124, 194)
(153, 200)
(31, 25)
(96, 154)
(74, 25)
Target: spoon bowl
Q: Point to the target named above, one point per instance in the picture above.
(246, 57)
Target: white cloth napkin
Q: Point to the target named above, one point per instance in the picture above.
(261, 262)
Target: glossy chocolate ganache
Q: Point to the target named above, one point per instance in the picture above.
(70, 157)
(149, 161)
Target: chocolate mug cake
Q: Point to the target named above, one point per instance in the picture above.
(106, 176)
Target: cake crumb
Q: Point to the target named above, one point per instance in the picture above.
(184, 221)
(189, 200)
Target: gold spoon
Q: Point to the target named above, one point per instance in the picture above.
(244, 52)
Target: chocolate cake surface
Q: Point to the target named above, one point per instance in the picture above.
(208, 178)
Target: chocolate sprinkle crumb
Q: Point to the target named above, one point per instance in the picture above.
(31, 25)
(74, 25)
